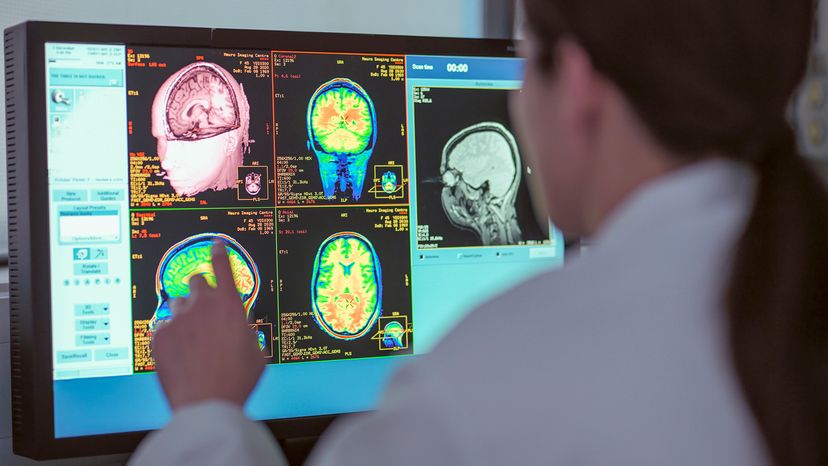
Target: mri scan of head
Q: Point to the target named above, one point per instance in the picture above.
(481, 172)
(392, 335)
(342, 132)
(201, 119)
(346, 288)
(193, 256)
(253, 183)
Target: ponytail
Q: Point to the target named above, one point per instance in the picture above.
(777, 305)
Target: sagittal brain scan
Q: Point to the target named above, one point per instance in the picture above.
(342, 130)
(191, 257)
(346, 289)
(201, 118)
(470, 176)
(393, 334)
(480, 169)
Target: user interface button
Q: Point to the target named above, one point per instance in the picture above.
(69, 195)
(74, 356)
(91, 324)
(84, 310)
(108, 195)
(111, 354)
(91, 268)
(92, 339)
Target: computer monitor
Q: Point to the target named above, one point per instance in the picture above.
(370, 190)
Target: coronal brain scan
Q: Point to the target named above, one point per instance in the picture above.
(191, 257)
(481, 173)
(346, 289)
(342, 132)
(201, 119)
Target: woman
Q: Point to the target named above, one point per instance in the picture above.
(694, 331)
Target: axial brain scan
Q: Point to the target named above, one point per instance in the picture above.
(342, 131)
(201, 118)
(346, 289)
(191, 257)
(481, 173)
(389, 182)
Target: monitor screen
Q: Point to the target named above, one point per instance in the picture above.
(368, 202)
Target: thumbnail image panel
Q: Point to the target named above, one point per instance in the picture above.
(471, 179)
(199, 127)
(344, 283)
(170, 247)
(340, 129)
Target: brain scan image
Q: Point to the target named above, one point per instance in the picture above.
(253, 183)
(392, 335)
(481, 171)
(346, 289)
(201, 120)
(191, 257)
(389, 182)
(342, 132)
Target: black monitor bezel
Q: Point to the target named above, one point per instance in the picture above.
(32, 388)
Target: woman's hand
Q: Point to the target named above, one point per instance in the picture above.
(207, 351)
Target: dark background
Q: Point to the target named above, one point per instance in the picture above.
(175, 226)
(451, 111)
(297, 254)
(148, 80)
(291, 119)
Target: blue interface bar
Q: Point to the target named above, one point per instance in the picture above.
(482, 68)
(86, 77)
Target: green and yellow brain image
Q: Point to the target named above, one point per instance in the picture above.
(192, 257)
(346, 290)
(342, 119)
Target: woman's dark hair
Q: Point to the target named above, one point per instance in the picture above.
(718, 75)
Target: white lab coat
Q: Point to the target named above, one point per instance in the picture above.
(620, 358)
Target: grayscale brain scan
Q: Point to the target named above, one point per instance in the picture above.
(481, 173)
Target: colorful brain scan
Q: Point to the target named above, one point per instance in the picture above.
(193, 256)
(481, 173)
(253, 183)
(342, 132)
(261, 339)
(201, 120)
(346, 288)
(389, 182)
(392, 335)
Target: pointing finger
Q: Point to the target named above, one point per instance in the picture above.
(176, 306)
(222, 269)
(198, 284)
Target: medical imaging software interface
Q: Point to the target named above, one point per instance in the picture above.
(367, 202)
